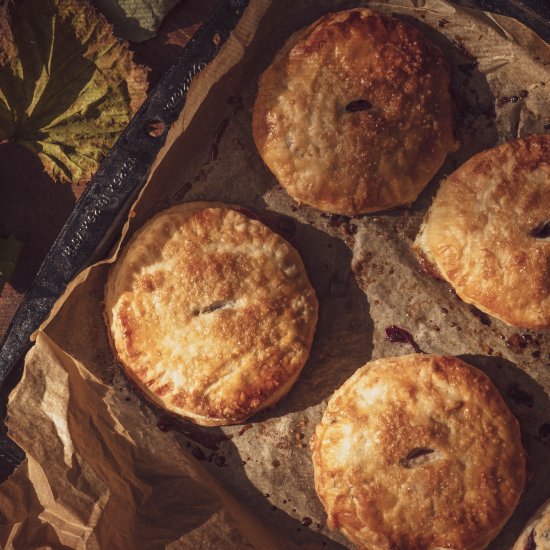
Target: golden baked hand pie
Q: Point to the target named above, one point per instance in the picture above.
(210, 313)
(418, 452)
(536, 534)
(488, 232)
(354, 115)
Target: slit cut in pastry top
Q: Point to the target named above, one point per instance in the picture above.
(203, 293)
(541, 231)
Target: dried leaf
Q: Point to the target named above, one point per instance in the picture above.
(9, 252)
(67, 86)
(136, 20)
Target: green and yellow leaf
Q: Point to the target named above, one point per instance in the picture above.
(68, 87)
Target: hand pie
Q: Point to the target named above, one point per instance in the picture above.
(536, 534)
(354, 114)
(488, 232)
(416, 453)
(210, 313)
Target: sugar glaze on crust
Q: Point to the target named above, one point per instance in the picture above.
(488, 232)
(354, 115)
(210, 313)
(418, 452)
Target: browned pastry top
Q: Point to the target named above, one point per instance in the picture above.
(488, 232)
(354, 115)
(210, 313)
(416, 453)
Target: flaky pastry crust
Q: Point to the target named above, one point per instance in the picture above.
(354, 115)
(536, 534)
(488, 232)
(210, 313)
(418, 452)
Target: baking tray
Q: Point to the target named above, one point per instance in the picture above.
(99, 214)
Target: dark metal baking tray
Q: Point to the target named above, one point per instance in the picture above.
(97, 217)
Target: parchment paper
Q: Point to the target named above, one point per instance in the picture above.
(102, 474)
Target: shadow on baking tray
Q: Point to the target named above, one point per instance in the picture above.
(343, 340)
(475, 113)
(474, 103)
(531, 406)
